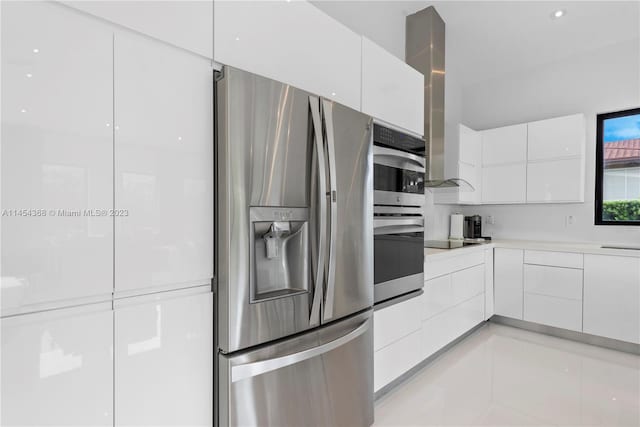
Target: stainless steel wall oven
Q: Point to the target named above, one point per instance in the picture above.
(399, 173)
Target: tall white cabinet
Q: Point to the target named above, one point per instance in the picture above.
(106, 135)
(508, 282)
(163, 166)
(57, 161)
(57, 368)
(164, 360)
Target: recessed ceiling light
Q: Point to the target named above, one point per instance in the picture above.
(558, 13)
(29, 75)
(36, 50)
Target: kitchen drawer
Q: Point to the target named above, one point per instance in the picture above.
(395, 322)
(447, 326)
(553, 281)
(396, 359)
(449, 265)
(467, 283)
(555, 259)
(437, 297)
(559, 312)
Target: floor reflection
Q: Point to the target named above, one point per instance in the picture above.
(506, 376)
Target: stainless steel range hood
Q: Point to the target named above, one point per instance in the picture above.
(425, 51)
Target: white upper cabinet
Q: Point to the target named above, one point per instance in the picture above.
(556, 169)
(184, 23)
(503, 184)
(164, 360)
(292, 42)
(163, 166)
(391, 90)
(57, 368)
(57, 161)
(557, 138)
(470, 164)
(612, 297)
(559, 180)
(504, 145)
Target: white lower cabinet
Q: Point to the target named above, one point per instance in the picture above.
(612, 297)
(164, 360)
(57, 368)
(449, 325)
(394, 360)
(488, 285)
(553, 311)
(508, 286)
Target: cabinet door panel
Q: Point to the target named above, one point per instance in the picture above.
(504, 145)
(553, 311)
(164, 166)
(467, 283)
(488, 284)
(292, 42)
(391, 90)
(553, 281)
(438, 296)
(557, 137)
(396, 359)
(57, 145)
(555, 181)
(164, 362)
(57, 368)
(396, 321)
(612, 297)
(508, 286)
(504, 184)
(470, 146)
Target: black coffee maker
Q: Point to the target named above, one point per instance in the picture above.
(473, 227)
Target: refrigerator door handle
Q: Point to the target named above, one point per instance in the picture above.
(314, 105)
(327, 112)
(253, 369)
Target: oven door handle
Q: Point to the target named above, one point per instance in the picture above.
(380, 154)
(394, 222)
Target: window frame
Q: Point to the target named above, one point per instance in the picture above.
(600, 118)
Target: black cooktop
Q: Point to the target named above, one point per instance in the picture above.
(450, 244)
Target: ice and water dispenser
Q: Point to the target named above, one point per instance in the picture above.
(279, 252)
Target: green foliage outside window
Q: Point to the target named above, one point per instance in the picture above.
(621, 210)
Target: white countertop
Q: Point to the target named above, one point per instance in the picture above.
(576, 247)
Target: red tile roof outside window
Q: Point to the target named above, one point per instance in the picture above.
(622, 153)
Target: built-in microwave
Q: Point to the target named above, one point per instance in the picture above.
(398, 181)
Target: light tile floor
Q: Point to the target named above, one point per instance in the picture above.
(505, 376)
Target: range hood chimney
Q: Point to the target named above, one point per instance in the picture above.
(425, 48)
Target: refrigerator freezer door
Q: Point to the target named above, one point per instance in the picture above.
(350, 265)
(322, 378)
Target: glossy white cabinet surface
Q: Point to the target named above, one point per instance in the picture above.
(612, 297)
(163, 165)
(553, 281)
(57, 368)
(164, 361)
(439, 267)
(396, 359)
(470, 146)
(555, 181)
(292, 42)
(504, 183)
(467, 283)
(437, 297)
(554, 259)
(396, 321)
(391, 90)
(184, 23)
(488, 284)
(57, 158)
(504, 145)
(557, 137)
(553, 311)
(508, 282)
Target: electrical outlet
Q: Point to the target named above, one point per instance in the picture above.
(569, 220)
(490, 220)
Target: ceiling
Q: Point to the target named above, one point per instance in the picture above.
(486, 39)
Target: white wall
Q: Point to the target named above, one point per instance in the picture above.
(598, 81)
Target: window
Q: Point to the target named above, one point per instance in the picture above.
(618, 168)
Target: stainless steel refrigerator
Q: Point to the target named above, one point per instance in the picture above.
(295, 256)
